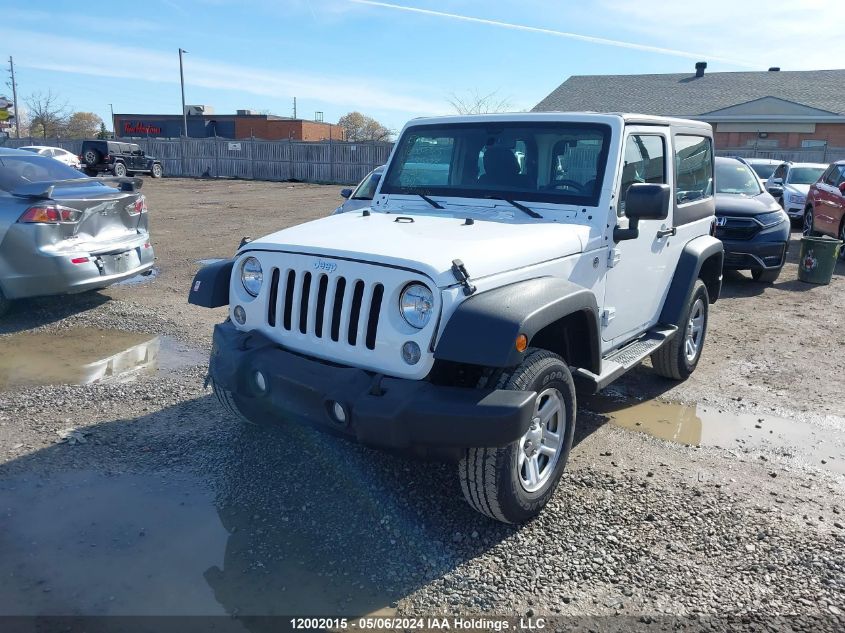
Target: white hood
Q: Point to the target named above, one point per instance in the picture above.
(799, 189)
(430, 243)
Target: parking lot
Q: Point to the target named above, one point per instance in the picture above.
(134, 494)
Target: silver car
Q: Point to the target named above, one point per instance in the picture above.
(61, 232)
(363, 194)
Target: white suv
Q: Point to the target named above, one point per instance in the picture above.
(503, 258)
(790, 184)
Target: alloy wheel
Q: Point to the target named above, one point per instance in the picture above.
(808, 223)
(695, 331)
(540, 448)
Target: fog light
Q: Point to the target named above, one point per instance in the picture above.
(339, 413)
(260, 382)
(411, 353)
(240, 315)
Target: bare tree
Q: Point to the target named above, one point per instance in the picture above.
(474, 102)
(47, 114)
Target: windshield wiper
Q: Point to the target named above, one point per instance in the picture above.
(433, 203)
(518, 205)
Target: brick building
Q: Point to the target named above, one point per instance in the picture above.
(242, 125)
(768, 110)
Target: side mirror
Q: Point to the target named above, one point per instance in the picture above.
(643, 201)
(842, 187)
(345, 193)
(777, 192)
(777, 181)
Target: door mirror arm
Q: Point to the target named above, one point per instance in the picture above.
(647, 201)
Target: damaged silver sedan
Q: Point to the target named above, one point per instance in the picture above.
(61, 233)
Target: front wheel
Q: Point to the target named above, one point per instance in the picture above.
(807, 229)
(119, 170)
(236, 407)
(156, 171)
(514, 483)
(678, 358)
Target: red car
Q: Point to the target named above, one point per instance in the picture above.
(825, 210)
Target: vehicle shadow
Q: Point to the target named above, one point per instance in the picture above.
(28, 314)
(189, 512)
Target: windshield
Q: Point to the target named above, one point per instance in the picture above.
(804, 175)
(736, 178)
(763, 170)
(22, 170)
(543, 162)
(367, 189)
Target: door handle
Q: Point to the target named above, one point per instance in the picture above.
(667, 232)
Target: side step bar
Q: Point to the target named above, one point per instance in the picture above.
(619, 361)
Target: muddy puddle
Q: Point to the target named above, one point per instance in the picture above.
(131, 544)
(84, 355)
(700, 425)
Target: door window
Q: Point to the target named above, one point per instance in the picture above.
(693, 168)
(780, 172)
(644, 161)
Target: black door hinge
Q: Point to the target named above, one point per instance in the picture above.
(462, 276)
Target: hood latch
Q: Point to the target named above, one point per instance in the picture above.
(462, 276)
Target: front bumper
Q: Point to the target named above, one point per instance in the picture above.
(751, 254)
(794, 210)
(380, 411)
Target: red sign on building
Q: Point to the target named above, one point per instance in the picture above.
(140, 129)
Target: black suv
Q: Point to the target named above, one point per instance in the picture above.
(120, 159)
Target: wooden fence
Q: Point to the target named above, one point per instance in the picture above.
(803, 155)
(320, 162)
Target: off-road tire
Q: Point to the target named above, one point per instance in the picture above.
(489, 476)
(765, 276)
(5, 305)
(156, 171)
(119, 170)
(670, 360)
(234, 407)
(91, 157)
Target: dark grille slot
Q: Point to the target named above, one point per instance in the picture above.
(274, 293)
(303, 303)
(372, 321)
(322, 290)
(355, 314)
(289, 298)
(336, 308)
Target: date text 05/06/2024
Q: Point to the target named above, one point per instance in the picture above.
(425, 624)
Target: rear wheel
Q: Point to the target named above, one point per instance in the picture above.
(119, 170)
(514, 483)
(678, 358)
(765, 276)
(842, 237)
(156, 171)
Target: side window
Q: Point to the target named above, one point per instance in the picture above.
(693, 168)
(838, 175)
(644, 161)
(780, 172)
(829, 176)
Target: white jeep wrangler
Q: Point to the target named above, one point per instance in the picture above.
(503, 258)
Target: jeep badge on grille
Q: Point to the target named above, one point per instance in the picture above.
(329, 267)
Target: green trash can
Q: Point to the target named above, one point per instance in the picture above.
(818, 259)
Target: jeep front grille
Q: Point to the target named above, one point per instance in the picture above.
(333, 309)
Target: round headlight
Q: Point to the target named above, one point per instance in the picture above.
(416, 304)
(251, 276)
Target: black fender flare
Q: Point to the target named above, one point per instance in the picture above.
(693, 257)
(483, 329)
(210, 287)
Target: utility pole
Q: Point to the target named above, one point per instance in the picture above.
(294, 107)
(15, 97)
(113, 126)
(182, 81)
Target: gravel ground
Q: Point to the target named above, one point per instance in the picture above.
(298, 522)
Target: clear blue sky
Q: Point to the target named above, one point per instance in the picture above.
(389, 62)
